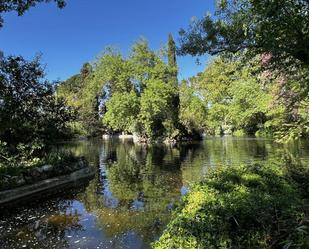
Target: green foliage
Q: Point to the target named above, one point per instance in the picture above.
(193, 110)
(288, 117)
(26, 156)
(21, 6)
(260, 84)
(122, 111)
(257, 206)
(155, 107)
(138, 95)
(77, 93)
(32, 118)
(214, 86)
(171, 51)
(242, 95)
(249, 106)
(29, 110)
(260, 26)
(134, 94)
(171, 54)
(112, 74)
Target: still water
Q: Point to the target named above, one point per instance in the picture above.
(131, 198)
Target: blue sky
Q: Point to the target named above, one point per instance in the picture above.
(78, 33)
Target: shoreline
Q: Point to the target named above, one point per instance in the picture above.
(45, 187)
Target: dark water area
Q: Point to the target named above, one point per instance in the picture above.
(129, 202)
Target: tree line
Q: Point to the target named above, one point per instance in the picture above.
(256, 83)
(138, 94)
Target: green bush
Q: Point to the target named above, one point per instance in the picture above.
(25, 158)
(239, 133)
(243, 207)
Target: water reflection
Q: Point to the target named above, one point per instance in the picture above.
(129, 202)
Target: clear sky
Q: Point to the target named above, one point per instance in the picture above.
(78, 33)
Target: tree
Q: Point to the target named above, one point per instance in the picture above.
(250, 104)
(122, 111)
(21, 6)
(288, 116)
(172, 57)
(172, 63)
(140, 92)
(29, 109)
(241, 98)
(193, 109)
(112, 74)
(155, 109)
(146, 65)
(278, 27)
(75, 91)
(214, 86)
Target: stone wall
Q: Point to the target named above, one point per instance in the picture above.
(33, 175)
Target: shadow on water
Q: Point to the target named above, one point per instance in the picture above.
(129, 202)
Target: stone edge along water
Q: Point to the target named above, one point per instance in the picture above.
(45, 186)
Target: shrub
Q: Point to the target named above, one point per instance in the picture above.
(242, 207)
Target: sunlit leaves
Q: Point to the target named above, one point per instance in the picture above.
(122, 111)
(276, 27)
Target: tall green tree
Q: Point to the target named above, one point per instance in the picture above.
(74, 91)
(241, 98)
(140, 92)
(122, 112)
(171, 53)
(155, 110)
(172, 63)
(29, 109)
(193, 109)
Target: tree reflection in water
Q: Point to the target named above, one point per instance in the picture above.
(129, 202)
(139, 186)
(40, 225)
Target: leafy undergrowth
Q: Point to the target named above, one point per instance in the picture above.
(14, 165)
(248, 206)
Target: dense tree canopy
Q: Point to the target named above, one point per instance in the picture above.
(262, 26)
(193, 109)
(243, 99)
(234, 95)
(74, 91)
(123, 109)
(135, 94)
(30, 113)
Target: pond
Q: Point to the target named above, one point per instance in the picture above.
(131, 198)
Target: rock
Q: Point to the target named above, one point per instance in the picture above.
(44, 169)
(37, 174)
(47, 168)
(106, 136)
(32, 175)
